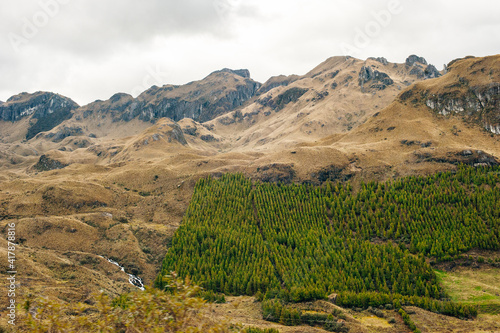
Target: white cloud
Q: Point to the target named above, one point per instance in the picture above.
(91, 49)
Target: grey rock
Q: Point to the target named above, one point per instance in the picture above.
(209, 138)
(481, 104)
(418, 72)
(176, 134)
(199, 104)
(280, 81)
(291, 95)
(365, 75)
(241, 72)
(382, 60)
(46, 163)
(445, 69)
(190, 131)
(413, 59)
(378, 80)
(37, 105)
(46, 110)
(431, 72)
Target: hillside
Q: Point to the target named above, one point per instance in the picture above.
(333, 98)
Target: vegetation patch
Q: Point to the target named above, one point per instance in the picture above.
(299, 242)
(473, 286)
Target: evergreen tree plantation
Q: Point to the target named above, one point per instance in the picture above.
(301, 242)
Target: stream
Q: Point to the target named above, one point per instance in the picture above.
(132, 279)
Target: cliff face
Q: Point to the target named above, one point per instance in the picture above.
(37, 105)
(480, 102)
(46, 110)
(219, 93)
(377, 80)
(472, 90)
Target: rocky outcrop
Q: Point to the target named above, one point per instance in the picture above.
(114, 107)
(46, 163)
(63, 133)
(209, 138)
(420, 68)
(291, 95)
(217, 94)
(241, 72)
(277, 81)
(46, 110)
(171, 133)
(175, 134)
(275, 173)
(37, 105)
(473, 158)
(332, 173)
(431, 72)
(382, 60)
(481, 103)
(377, 80)
(413, 59)
(193, 131)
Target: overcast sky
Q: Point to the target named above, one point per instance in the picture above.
(91, 49)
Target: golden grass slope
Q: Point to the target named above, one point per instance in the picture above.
(334, 103)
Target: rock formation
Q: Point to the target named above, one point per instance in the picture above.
(45, 109)
(378, 80)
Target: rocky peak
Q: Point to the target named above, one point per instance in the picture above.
(378, 80)
(199, 100)
(471, 91)
(382, 60)
(120, 96)
(37, 105)
(424, 73)
(277, 81)
(46, 110)
(431, 72)
(413, 59)
(241, 72)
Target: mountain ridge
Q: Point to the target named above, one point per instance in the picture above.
(97, 185)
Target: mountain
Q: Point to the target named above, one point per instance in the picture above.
(42, 110)
(333, 98)
(470, 90)
(216, 94)
(114, 178)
